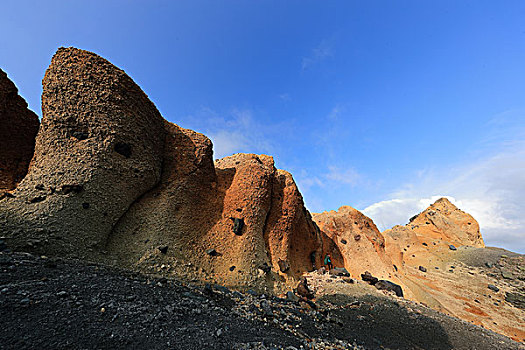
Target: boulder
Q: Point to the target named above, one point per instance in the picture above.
(18, 129)
(367, 277)
(303, 290)
(340, 271)
(389, 286)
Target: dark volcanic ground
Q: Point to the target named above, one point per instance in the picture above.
(55, 304)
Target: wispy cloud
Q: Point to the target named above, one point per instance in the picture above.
(238, 131)
(322, 51)
(285, 97)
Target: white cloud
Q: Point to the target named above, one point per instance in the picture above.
(321, 52)
(490, 189)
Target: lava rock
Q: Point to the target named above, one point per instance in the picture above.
(211, 252)
(367, 277)
(238, 225)
(390, 286)
(340, 271)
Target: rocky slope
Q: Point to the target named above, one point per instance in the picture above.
(64, 304)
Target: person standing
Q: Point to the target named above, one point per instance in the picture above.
(328, 262)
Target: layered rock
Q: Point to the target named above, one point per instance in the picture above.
(18, 129)
(98, 149)
(360, 245)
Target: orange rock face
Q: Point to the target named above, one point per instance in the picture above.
(440, 225)
(240, 222)
(18, 128)
(357, 243)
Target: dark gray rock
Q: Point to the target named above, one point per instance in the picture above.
(211, 252)
(452, 247)
(422, 269)
(238, 225)
(340, 271)
(516, 299)
(367, 277)
(493, 287)
(390, 286)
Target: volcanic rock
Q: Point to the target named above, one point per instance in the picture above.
(18, 129)
(83, 92)
(389, 286)
(365, 246)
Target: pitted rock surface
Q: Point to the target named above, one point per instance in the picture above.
(18, 128)
(90, 107)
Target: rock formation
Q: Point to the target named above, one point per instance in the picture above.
(356, 237)
(18, 128)
(435, 229)
(112, 181)
(98, 149)
(248, 213)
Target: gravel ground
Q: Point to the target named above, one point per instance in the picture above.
(57, 304)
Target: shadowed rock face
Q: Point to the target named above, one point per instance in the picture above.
(98, 149)
(18, 128)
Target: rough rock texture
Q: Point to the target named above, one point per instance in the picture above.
(98, 149)
(198, 207)
(18, 128)
(444, 221)
(356, 237)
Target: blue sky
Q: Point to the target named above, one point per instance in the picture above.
(379, 105)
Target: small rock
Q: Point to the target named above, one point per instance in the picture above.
(367, 277)
(422, 269)
(283, 265)
(357, 237)
(211, 252)
(507, 275)
(348, 280)
(232, 268)
(62, 294)
(291, 296)
(163, 249)
(452, 247)
(489, 265)
(493, 287)
(343, 241)
(340, 271)
(238, 225)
